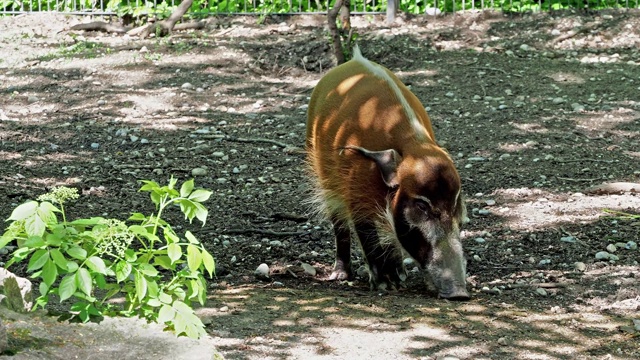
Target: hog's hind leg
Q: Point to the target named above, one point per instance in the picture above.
(342, 266)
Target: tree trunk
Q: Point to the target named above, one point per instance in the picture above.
(341, 7)
(164, 27)
(392, 10)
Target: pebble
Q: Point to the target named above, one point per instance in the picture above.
(217, 154)
(557, 100)
(199, 172)
(544, 262)
(122, 132)
(144, 141)
(611, 248)
(449, 94)
(504, 156)
(187, 86)
(490, 202)
(133, 138)
(631, 245)
(32, 99)
(262, 272)
(603, 255)
(569, 239)
(479, 240)
(580, 266)
(502, 341)
(540, 291)
(483, 212)
(218, 180)
(477, 258)
(101, 102)
(275, 243)
(476, 158)
(525, 47)
(308, 269)
(95, 145)
(408, 262)
(577, 107)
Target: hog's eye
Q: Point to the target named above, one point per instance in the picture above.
(422, 205)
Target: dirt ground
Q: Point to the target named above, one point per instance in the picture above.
(535, 110)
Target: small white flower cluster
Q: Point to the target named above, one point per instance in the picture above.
(112, 237)
(59, 194)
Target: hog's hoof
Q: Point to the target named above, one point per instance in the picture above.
(390, 278)
(340, 272)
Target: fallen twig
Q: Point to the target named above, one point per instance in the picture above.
(100, 26)
(581, 160)
(577, 180)
(250, 140)
(614, 188)
(574, 32)
(495, 69)
(264, 232)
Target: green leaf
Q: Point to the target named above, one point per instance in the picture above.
(174, 251)
(154, 302)
(97, 265)
(84, 281)
(67, 287)
(149, 185)
(141, 285)
(166, 314)
(148, 269)
(43, 288)
(172, 183)
(101, 282)
(5, 239)
(137, 217)
(77, 252)
(24, 211)
(201, 213)
(186, 321)
(46, 211)
(143, 232)
(188, 208)
(192, 238)
(72, 266)
(34, 226)
(165, 298)
(194, 258)
(55, 238)
(152, 289)
(130, 255)
(59, 259)
(209, 263)
(34, 242)
(164, 262)
(123, 269)
(170, 236)
(186, 188)
(88, 222)
(37, 260)
(49, 272)
(200, 195)
(156, 198)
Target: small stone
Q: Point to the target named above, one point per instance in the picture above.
(504, 156)
(408, 262)
(275, 243)
(262, 272)
(544, 262)
(509, 53)
(199, 172)
(133, 138)
(555, 32)
(221, 180)
(218, 154)
(144, 141)
(611, 248)
(568, 239)
(144, 49)
(490, 202)
(480, 240)
(579, 266)
(631, 245)
(32, 99)
(577, 107)
(557, 100)
(483, 212)
(525, 47)
(477, 258)
(187, 86)
(603, 255)
(541, 291)
(449, 94)
(476, 158)
(101, 102)
(503, 341)
(477, 97)
(308, 269)
(95, 145)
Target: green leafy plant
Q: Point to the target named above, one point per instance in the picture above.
(93, 260)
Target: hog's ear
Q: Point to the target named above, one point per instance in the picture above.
(387, 162)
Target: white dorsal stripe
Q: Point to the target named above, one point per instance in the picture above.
(380, 72)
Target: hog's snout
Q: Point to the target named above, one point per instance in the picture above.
(459, 294)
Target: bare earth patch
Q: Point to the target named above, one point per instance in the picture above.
(534, 109)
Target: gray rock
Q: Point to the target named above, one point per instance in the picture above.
(17, 291)
(611, 248)
(308, 269)
(580, 266)
(541, 291)
(262, 272)
(199, 172)
(603, 255)
(568, 239)
(631, 245)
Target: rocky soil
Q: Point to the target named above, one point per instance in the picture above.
(536, 110)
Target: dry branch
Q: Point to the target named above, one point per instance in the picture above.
(100, 26)
(264, 232)
(614, 188)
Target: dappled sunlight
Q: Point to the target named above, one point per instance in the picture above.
(49, 182)
(530, 128)
(608, 121)
(567, 78)
(6, 155)
(537, 209)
